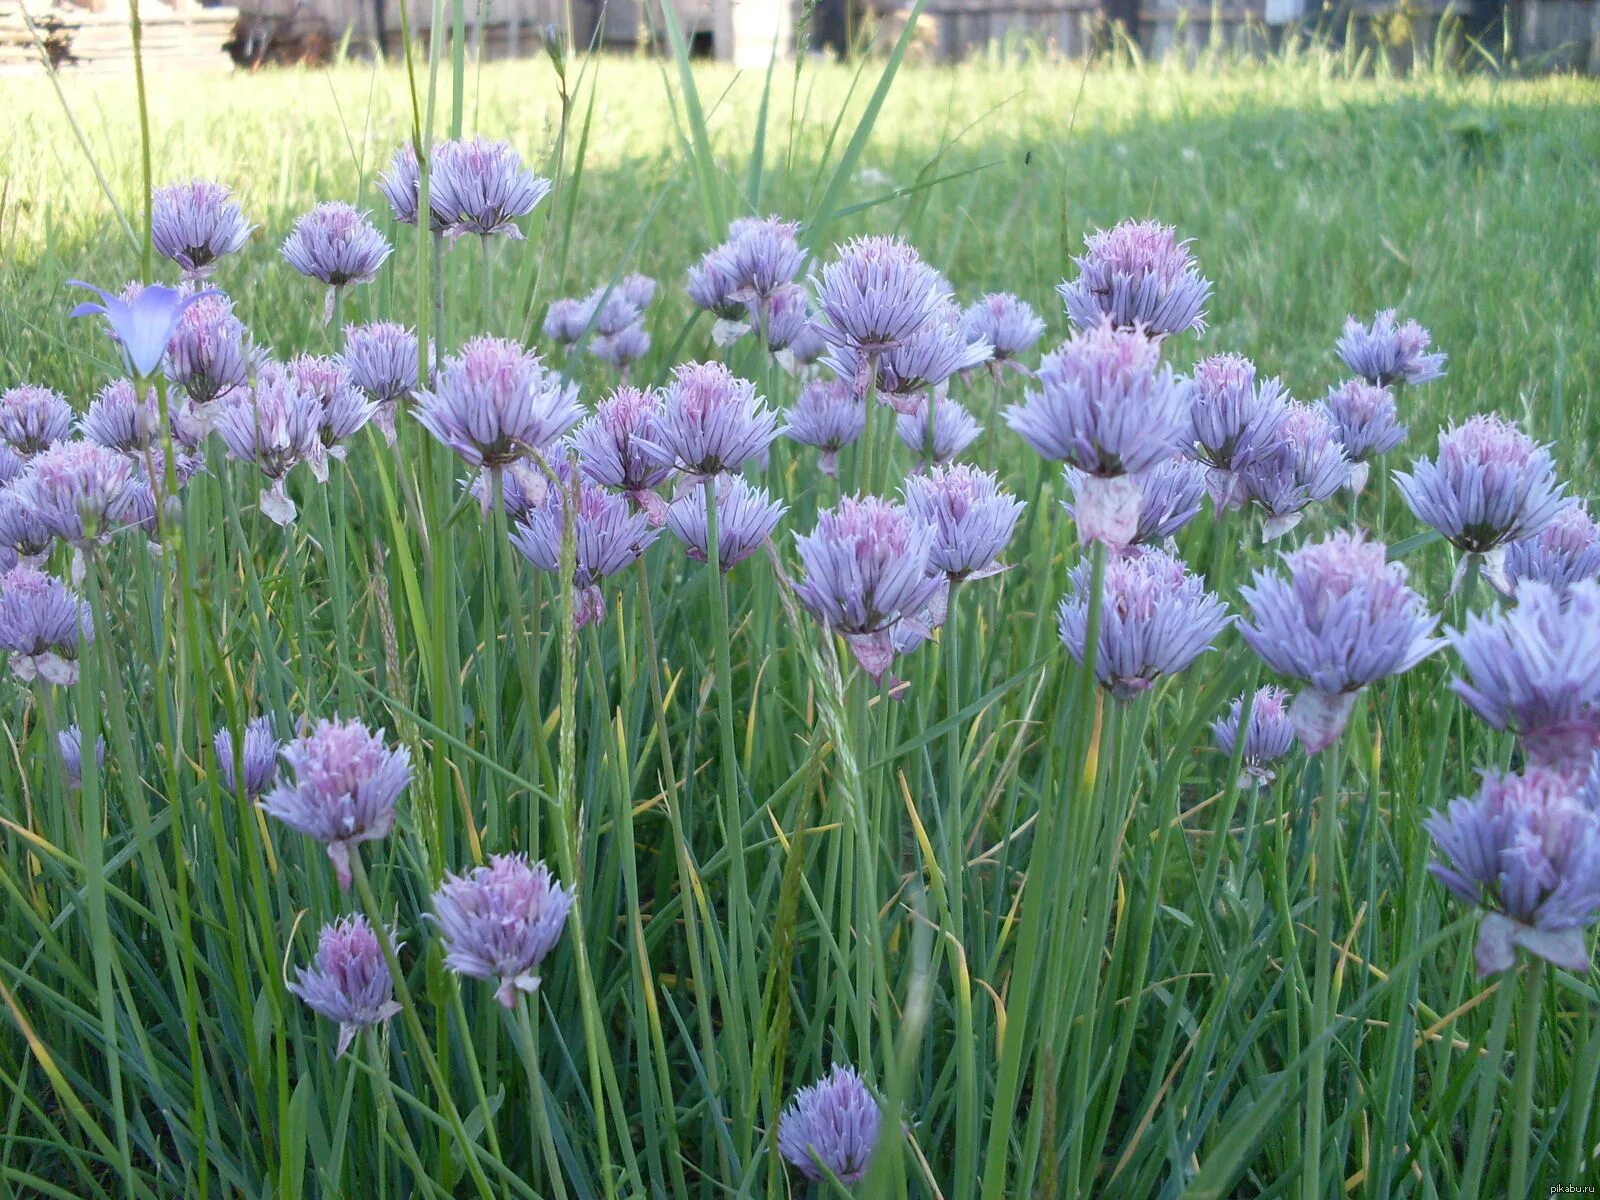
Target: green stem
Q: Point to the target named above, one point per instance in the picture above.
(1522, 1085)
(1325, 859)
(1488, 1069)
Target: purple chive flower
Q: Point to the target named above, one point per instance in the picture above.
(623, 348)
(1344, 618)
(32, 419)
(141, 322)
(1137, 274)
(21, 531)
(1563, 553)
(919, 364)
(828, 415)
(868, 565)
(345, 407)
(1005, 323)
(876, 295)
(10, 465)
(118, 420)
(260, 754)
(972, 518)
(614, 309)
(1535, 669)
(610, 450)
(834, 1123)
(41, 623)
(195, 223)
(610, 537)
(78, 490)
(1303, 465)
(1387, 352)
(69, 743)
(381, 358)
(711, 286)
(1231, 416)
(746, 517)
(565, 321)
(275, 425)
(496, 402)
(480, 186)
(1490, 484)
(1527, 850)
(761, 255)
(1107, 406)
(1155, 619)
(349, 981)
(1169, 498)
(400, 185)
(1268, 737)
(788, 318)
(337, 244)
(954, 429)
(346, 782)
(711, 422)
(1365, 422)
(209, 353)
(500, 922)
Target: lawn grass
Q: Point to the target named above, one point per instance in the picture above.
(1047, 926)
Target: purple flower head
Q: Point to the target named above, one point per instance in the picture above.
(195, 223)
(637, 290)
(345, 408)
(209, 353)
(868, 565)
(141, 322)
(400, 186)
(78, 490)
(972, 518)
(1364, 419)
(1490, 484)
(1342, 619)
(834, 1123)
(349, 981)
(611, 535)
(500, 921)
(118, 420)
(954, 429)
(609, 444)
(69, 742)
(1303, 465)
(480, 186)
(1561, 554)
(1387, 352)
(346, 782)
(1105, 404)
(1169, 498)
(876, 295)
(907, 370)
(1003, 322)
(628, 345)
(32, 419)
(41, 622)
(22, 533)
(1535, 669)
(712, 286)
(760, 256)
(10, 465)
(610, 309)
(788, 316)
(337, 244)
(496, 402)
(1155, 619)
(828, 415)
(566, 320)
(711, 422)
(1137, 274)
(1268, 737)
(1231, 416)
(275, 425)
(381, 358)
(746, 517)
(260, 754)
(1528, 850)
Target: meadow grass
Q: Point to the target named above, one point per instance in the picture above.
(1048, 927)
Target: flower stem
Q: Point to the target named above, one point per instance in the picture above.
(1324, 860)
(1522, 1086)
(1488, 1088)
